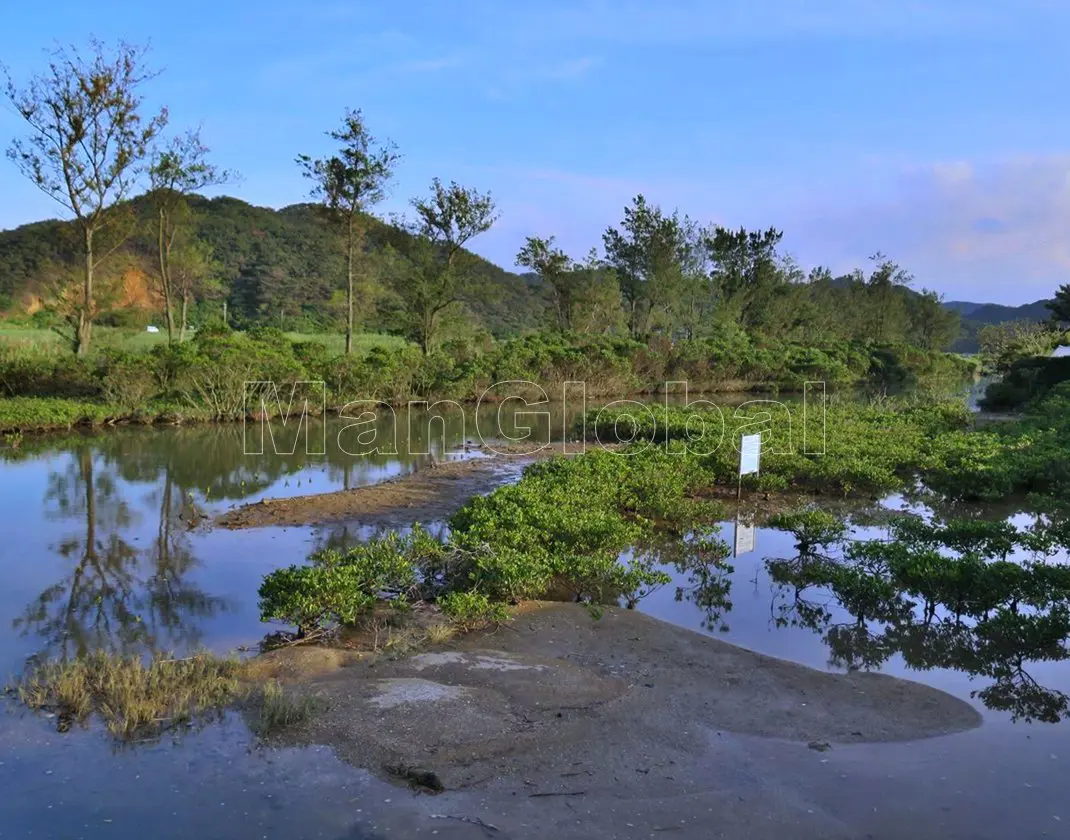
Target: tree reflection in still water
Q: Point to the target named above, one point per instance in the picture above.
(940, 595)
(117, 596)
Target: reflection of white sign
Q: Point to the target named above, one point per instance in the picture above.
(750, 451)
(744, 539)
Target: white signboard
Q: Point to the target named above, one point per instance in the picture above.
(744, 542)
(750, 452)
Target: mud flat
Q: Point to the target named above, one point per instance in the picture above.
(430, 493)
(558, 706)
(425, 495)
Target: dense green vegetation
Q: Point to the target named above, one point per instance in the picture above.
(562, 528)
(594, 526)
(204, 378)
(279, 268)
(868, 449)
(1004, 345)
(1026, 381)
(877, 448)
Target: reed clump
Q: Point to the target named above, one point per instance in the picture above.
(134, 697)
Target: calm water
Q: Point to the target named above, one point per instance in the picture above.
(98, 552)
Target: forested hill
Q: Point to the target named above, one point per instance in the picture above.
(285, 268)
(974, 316)
(274, 266)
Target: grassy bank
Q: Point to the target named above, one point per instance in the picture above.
(205, 379)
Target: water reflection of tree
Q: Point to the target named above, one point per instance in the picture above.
(341, 538)
(999, 642)
(116, 596)
(702, 558)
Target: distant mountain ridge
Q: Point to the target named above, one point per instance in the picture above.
(996, 313)
(974, 316)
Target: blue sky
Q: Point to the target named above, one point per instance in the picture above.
(936, 131)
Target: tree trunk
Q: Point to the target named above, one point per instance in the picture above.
(185, 306)
(349, 287)
(425, 333)
(85, 314)
(632, 327)
(164, 248)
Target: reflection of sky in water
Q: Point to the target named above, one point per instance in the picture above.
(151, 580)
(134, 485)
(213, 784)
(755, 601)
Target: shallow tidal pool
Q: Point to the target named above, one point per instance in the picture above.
(103, 545)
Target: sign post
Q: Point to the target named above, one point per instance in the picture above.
(750, 455)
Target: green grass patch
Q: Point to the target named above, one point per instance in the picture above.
(362, 342)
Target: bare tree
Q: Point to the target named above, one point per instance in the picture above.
(348, 183)
(178, 169)
(86, 147)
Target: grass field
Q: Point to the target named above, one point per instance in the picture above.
(40, 338)
(46, 340)
(362, 342)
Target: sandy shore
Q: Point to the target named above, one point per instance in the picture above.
(558, 705)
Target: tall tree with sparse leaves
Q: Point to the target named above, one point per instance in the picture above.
(178, 169)
(556, 269)
(885, 300)
(648, 253)
(86, 147)
(439, 278)
(193, 272)
(348, 183)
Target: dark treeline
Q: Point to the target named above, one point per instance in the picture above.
(331, 265)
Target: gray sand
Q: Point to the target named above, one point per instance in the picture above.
(606, 715)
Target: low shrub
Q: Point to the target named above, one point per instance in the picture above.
(338, 588)
(472, 610)
(23, 414)
(128, 380)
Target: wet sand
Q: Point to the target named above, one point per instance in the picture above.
(559, 706)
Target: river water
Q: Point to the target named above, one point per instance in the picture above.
(99, 551)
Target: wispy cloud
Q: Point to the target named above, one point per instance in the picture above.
(984, 230)
(427, 65)
(519, 73)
